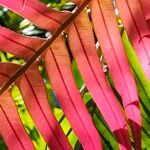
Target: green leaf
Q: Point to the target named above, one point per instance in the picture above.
(143, 89)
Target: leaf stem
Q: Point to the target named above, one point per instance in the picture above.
(41, 50)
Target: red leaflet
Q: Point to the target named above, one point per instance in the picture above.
(35, 98)
(83, 48)
(146, 8)
(21, 46)
(137, 30)
(37, 13)
(34, 94)
(11, 127)
(59, 71)
(106, 29)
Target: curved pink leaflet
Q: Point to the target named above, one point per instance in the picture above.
(60, 73)
(21, 46)
(37, 13)
(34, 95)
(137, 30)
(11, 127)
(106, 29)
(82, 45)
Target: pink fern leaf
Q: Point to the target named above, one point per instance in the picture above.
(114, 54)
(35, 98)
(137, 30)
(59, 71)
(37, 13)
(20, 46)
(83, 48)
(11, 127)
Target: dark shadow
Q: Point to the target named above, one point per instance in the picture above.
(123, 133)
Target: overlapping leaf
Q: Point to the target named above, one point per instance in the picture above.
(137, 30)
(18, 43)
(37, 13)
(82, 45)
(143, 88)
(113, 51)
(59, 71)
(35, 98)
(11, 127)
